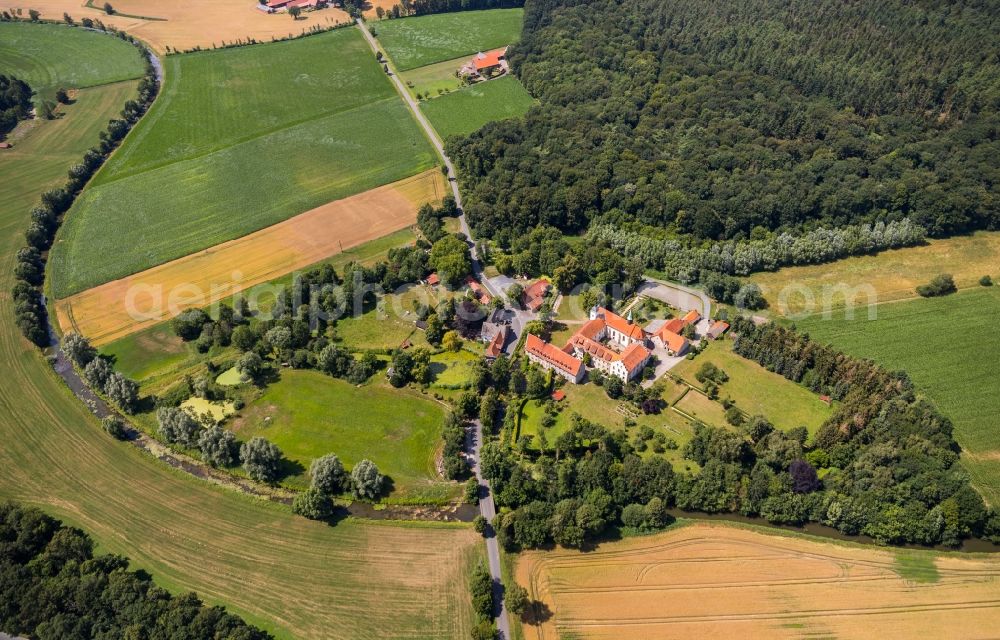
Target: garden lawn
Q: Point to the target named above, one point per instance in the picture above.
(591, 402)
(312, 414)
(51, 56)
(758, 391)
(435, 79)
(464, 111)
(949, 346)
(418, 41)
(240, 139)
(277, 570)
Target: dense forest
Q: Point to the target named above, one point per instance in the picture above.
(15, 102)
(713, 118)
(53, 587)
(883, 465)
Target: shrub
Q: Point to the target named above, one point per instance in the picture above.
(471, 495)
(940, 285)
(986, 281)
(97, 372)
(481, 587)
(479, 524)
(115, 427)
(78, 349)
(123, 392)
(189, 324)
(312, 504)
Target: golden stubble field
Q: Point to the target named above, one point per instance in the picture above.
(185, 24)
(716, 581)
(121, 307)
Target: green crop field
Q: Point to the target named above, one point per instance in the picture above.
(50, 56)
(239, 140)
(949, 348)
(311, 414)
(466, 110)
(294, 577)
(415, 42)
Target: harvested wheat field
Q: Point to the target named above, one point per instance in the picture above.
(124, 306)
(712, 581)
(185, 24)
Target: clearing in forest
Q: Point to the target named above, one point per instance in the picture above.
(418, 41)
(239, 140)
(715, 581)
(466, 110)
(107, 312)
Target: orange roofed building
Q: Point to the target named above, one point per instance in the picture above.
(550, 357)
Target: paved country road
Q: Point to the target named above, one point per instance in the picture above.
(487, 508)
(477, 269)
(475, 434)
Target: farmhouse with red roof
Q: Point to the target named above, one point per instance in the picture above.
(486, 65)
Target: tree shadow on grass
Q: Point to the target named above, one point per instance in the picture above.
(288, 468)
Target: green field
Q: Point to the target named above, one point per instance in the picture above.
(50, 56)
(466, 110)
(294, 577)
(415, 42)
(312, 414)
(949, 348)
(758, 391)
(239, 140)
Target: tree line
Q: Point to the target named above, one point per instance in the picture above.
(710, 119)
(55, 587)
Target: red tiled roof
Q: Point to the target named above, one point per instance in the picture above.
(718, 328)
(634, 356)
(591, 328)
(620, 324)
(674, 325)
(691, 316)
(594, 348)
(433, 279)
(558, 395)
(496, 344)
(556, 357)
(673, 341)
(489, 59)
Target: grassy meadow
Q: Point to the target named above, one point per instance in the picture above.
(889, 275)
(308, 414)
(291, 576)
(422, 40)
(949, 348)
(239, 141)
(51, 56)
(756, 390)
(468, 109)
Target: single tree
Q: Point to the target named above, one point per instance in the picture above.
(108, 9)
(516, 598)
(250, 365)
(328, 474)
(261, 459)
(479, 524)
(218, 446)
(123, 392)
(178, 426)
(295, 12)
(78, 349)
(366, 481)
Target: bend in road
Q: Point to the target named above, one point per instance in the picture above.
(475, 435)
(477, 269)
